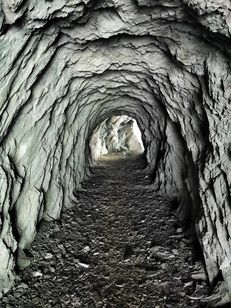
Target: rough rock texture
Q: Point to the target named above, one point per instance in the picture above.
(66, 66)
(120, 246)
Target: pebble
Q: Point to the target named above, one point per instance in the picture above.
(86, 249)
(188, 284)
(175, 251)
(37, 274)
(156, 249)
(48, 256)
(83, 264)
(22, 286)
(52, 269)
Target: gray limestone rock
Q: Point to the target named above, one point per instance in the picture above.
(67, 66)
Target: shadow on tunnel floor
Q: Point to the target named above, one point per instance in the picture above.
(119, 246)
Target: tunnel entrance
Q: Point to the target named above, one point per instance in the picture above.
(117, 135)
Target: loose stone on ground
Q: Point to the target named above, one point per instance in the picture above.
(120, 245)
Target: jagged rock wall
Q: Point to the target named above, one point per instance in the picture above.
(66, 66)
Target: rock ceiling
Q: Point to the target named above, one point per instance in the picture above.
(66, 66)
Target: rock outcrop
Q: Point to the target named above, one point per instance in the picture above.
(66, 66)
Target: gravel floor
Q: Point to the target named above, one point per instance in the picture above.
(118, 246)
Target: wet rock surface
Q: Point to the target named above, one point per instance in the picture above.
(120, 245)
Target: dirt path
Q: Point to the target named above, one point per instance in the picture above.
(120, 246)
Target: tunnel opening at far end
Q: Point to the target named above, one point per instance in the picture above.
(118, 135)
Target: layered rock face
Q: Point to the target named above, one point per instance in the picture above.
(66, 66)
(118, 134)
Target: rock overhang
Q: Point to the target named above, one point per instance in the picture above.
(66, 65)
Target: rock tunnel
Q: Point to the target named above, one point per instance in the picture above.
(67, 66)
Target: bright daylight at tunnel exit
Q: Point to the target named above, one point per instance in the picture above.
(115, 165)
(118, 135)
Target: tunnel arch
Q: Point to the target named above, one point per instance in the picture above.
(57, 61)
